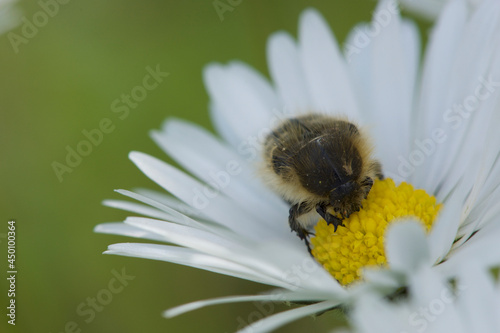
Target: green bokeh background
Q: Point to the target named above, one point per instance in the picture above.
(63, 81)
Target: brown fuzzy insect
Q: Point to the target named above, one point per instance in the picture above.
(319, 164)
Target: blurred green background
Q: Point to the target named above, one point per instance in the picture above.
(62, 81)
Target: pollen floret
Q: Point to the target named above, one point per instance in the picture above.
(361, 242)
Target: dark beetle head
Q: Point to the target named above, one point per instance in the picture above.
(346, 198)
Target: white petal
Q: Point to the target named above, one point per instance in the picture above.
(411, 45)
(476, 54)
(191, 258)
(443, 44)
(272, 322)
(484, 213)
(182, 235)
(120, 228)
(425, 285)
(279, 295)
(286, 70)
(216, 206)
(431, 293)
(428, 9)
(223, 125)
(174, 216)
(481, 248)
(372, 315)
(243, 97)
(392, 93)
(471, 66)
(383, 60)
(483, 133)
(492, 183)
(406, 246)
(137, 208)
(444, 231)
(324, 67)
(171, 202)
(358, 52)
(491, 166)
(473, 164)
(476, 300)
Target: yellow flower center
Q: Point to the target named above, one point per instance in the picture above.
(361, 242)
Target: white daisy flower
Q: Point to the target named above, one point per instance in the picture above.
(468, 303)
(433, 127)
(10, 15)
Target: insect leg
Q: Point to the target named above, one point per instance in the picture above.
(367, 184)
(378, 170)
(329, 218)
(295, 211)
